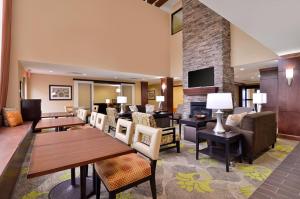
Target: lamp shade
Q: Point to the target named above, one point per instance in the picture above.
(219, 101)
(289, 73)
(259, 98)
(107, 101)
(160, 98)
(121, 99)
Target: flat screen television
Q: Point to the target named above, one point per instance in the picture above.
(202, 77)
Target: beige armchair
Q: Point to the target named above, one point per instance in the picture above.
(170, 139)
(138, 169)
(112, 116)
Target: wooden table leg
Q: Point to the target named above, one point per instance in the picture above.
(73, 179)
(83, 182)
(227, 153)
(197, 146)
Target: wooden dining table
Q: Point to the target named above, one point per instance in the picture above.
(58, 123)
(57, 114)
(53, 152)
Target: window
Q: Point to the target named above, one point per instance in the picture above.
(176, 21)
(246, 95)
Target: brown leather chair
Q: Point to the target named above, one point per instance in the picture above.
(259, 132)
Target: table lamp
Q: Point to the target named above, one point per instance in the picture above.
(219, 101)
(160, 99)
(259, 99)
(122, 100)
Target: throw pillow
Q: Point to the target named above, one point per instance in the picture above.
(14, 118)
(235, 119)
(4, 111)
(133, 108)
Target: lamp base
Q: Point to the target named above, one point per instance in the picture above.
(219, 127)
(122, 109)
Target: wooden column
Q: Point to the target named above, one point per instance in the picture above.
(168, 93)
(144, 93)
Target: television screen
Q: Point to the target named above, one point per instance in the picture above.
(202, 77)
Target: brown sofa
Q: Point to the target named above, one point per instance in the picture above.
(259, 133)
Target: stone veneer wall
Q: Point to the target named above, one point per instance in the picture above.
(206, 43)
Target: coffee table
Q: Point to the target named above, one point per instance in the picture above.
(227, 139)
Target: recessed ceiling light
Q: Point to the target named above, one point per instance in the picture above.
(116, 77)
(84, 74)
(242, 69)
(50, 71)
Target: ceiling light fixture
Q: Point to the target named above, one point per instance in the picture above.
(50, 71)
(242, 69)
(289, 74)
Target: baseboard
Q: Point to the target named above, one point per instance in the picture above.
(289, 137)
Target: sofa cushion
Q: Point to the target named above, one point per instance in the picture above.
(14, 118)
(235, 119)
(4, 111)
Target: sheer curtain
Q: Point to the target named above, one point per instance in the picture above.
(5, 31)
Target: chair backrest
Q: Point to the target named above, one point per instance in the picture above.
(101, 121)
(111, 116)
(82, 114)
(143, 119)
(93, 119)
(149, 108)
(69, 109)
(95, 108)
(151, 150)
(127, 136)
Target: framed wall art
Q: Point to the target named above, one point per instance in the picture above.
(60, 92)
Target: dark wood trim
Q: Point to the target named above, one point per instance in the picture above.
(200, 90)
(289, 137)
(172, 21)
(144, 93)
(168, 93)
(103, 81)
(293, 55)
(67, 86)
(268, 69)
(151, 1)
(159, 3)
(180, 85)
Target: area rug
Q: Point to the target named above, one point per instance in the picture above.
(179, 175)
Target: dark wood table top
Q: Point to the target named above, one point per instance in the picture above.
(196, 122)
(58, 122)
(72, 149)
(57, 114)
(210, 134)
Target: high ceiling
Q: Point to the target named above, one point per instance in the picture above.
(274, 23)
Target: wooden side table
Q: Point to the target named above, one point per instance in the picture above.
(227, 139)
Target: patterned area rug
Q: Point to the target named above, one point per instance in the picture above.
(179, 175)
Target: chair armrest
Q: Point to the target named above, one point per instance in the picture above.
(168, 129)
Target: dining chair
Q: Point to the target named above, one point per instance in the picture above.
(82, 114)
(126, 171)
(101, 121)
(69, 109)
(112, 116)
(91, 124)
(170, 138)
(124, 131)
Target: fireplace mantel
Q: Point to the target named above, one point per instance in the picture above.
(200, 90)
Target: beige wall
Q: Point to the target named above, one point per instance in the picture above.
(177, 96)
(246, 50)
(138, 96)
(84, 96)
(108, 34)
(104, 92)
(38, 88)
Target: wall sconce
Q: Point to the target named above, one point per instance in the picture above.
(289, 74)
(163, 87)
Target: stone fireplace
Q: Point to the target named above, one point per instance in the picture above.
(199, 108)
(206, 43)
